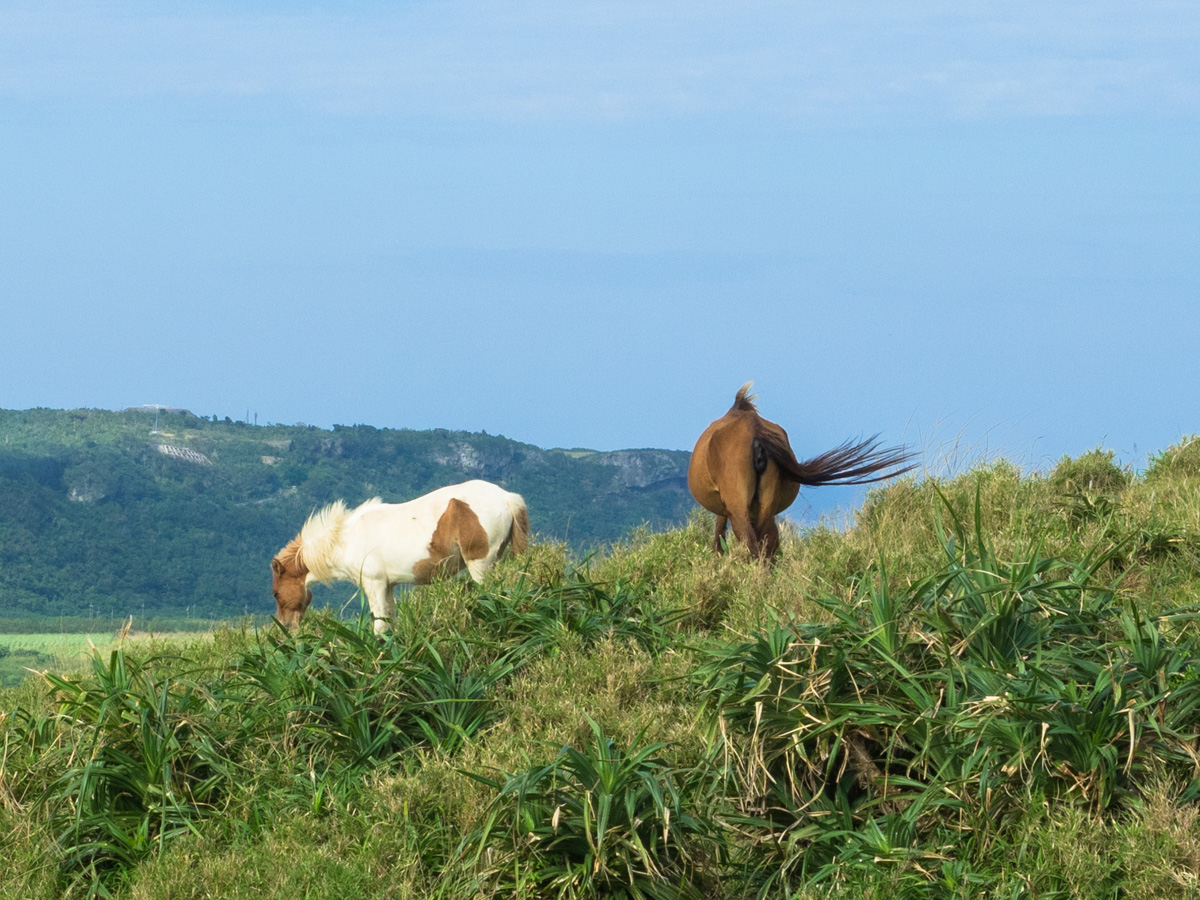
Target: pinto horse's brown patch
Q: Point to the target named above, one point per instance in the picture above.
(458, 539)
(744, 471)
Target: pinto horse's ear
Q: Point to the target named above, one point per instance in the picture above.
(277, 567)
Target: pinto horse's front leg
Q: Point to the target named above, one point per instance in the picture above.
(382, 602)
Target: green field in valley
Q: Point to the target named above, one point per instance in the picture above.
(56, 652)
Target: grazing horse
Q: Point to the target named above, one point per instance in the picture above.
(380, 545)
(743, 469)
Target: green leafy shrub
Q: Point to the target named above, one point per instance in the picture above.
(1090, 485)
(1181, 459)
(1092, 473)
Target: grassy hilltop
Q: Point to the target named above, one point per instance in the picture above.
(102, 517)
(984, 687)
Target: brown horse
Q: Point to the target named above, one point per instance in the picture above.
(743, 469)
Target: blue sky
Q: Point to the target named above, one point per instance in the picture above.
(970, 226)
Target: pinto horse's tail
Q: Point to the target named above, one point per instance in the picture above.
(848, 463)
(518, 534)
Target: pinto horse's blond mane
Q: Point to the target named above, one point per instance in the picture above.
(290, 556)
(320, 536)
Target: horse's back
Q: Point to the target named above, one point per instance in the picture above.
(493, 505)
(405, 542)
(487, 501)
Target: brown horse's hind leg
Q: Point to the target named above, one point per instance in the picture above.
(743, 528)
(769, 536)
(731, 463)
(719, 537)
(774, 494)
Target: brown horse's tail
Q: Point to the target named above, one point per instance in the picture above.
(518, 534)
(849, 463)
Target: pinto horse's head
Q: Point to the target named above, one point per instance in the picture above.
(289, 586)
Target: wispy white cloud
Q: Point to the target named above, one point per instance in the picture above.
(790, 62)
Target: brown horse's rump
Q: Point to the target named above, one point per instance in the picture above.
(743, 471)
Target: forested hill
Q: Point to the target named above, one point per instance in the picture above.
(99, 513)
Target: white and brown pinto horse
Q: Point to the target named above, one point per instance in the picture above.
(380, 545)
(743, 470)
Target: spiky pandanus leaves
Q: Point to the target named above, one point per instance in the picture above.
(145, 759)
(531, 618)
(600, 821)
(144, 752)
(923, 714)
(353, 700)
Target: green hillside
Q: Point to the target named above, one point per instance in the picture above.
(103, 517)
(985, 687)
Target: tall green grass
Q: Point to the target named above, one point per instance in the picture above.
(909, 726)
(986, 686)
(599, 820)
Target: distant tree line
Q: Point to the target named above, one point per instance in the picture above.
(97, 522)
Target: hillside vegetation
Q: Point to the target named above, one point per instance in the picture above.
(101, 517)
(988, 686)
